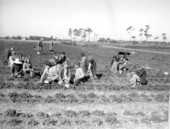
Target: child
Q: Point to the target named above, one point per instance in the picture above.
(134, 80)
(27, 67)
(67, 73)
(79, 75)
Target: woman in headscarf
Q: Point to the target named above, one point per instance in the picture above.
(92, 67)
(79, 74)
(50, 73)
(114, 65)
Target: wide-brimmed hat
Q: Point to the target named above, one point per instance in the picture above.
(17, 61)
(48, 63)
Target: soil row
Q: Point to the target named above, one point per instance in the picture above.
(83, 98)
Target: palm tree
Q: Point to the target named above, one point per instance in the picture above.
(76, 33)
(89, 30)
(146, 34)
(70, 33)
(129, 30)
(164, 39)
(95, 36)
(133, 37)
(147, 27)
(141, 33)
(156, 38)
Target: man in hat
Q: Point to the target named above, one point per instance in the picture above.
(40, 46)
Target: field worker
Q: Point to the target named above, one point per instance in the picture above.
(62, 58)
(122, 65)
(50, 73)
(79, 74)
(91, 67)
(141, 72)
(114, 65)
(17, 68)
(40, 46)
(9, 53)
(67, 73)
(51, 46)
(84, 63)
(58, 62)
(12, 58)
(134, 79)
(11, 62)
(27, 67)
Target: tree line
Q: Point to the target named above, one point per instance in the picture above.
(144, 32)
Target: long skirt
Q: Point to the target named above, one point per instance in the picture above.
(114, 67)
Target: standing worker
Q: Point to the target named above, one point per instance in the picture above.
(40, 46)
(51, 46)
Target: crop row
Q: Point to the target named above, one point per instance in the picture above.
(83, 98)
(83, 87)
(81, 118)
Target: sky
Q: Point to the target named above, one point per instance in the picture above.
(107, 18)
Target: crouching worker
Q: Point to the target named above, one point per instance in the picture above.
(91, 67)
(50, 73)
(16, 68)
(67, 73)
(79, 74)
(141, 72)
(134, 79)
(28, 68)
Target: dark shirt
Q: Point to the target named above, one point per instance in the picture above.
(62, 60)
(93, 66)
(9, 54)
(40, 44)
(142, 74)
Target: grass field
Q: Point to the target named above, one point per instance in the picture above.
(107, 103)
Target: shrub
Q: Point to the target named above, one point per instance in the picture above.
(98, 113)
(97, 122)
(42, 115)
(33, 123)
(84, 114)
(10, 113)
(14, 122)
(111, 121)
(70, 114)
(65, 122)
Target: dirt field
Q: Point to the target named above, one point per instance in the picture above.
(105, 103)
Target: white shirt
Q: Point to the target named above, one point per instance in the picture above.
(79, 73)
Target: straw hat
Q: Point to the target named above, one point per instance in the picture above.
(48, 63)
(17, 61)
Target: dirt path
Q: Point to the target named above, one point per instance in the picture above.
(149, 51)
